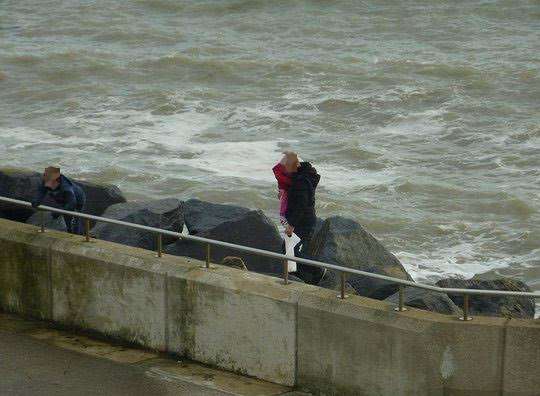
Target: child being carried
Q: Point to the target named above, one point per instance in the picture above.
(284, 180)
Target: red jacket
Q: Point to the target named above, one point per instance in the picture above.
(283, 178)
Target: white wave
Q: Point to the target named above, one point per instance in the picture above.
(459, 260)
(424, 123)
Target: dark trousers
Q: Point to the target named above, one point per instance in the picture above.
(307, 273)
(74, 225)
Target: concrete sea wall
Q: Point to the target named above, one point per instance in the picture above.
(253, 324)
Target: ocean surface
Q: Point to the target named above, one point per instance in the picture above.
(423, 117)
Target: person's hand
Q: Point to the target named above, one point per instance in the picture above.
(35, 203)
(289, 230)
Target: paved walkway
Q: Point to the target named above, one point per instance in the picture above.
(38, 360)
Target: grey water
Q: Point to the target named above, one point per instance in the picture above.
(423, 117)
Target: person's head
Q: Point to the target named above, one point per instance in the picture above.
(291, 161)
(51, 177)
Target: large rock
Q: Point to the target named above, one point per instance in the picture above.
(17, 184)
(23, 185)
(426, 300)
(201, 216)
(344, 242)
(248, 228)
(99, 197)
(512, 307)
(167, 214)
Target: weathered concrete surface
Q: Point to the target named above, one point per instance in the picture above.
(362, 347)
(237, 320)
(250, 323)
(94, 287)
(522, 357)
(24, 271)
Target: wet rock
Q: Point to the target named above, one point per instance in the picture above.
(344, 242)
(248, 228)
(202, 216)
(23, 185)
(99, 197)
(234, 262)
(166, 214)
(512, 307)
(17, 184)
(426, 300)
(58, 224)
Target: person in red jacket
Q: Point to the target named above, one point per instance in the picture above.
(284, 180)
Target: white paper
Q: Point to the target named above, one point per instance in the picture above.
(290, 243)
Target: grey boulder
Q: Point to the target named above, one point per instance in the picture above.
(202, 216)
(23, 185)
(344, 242)
(426, 300)
(248, 228)
(511, 307)
(17, 184)
(99, 197)
(164, 213)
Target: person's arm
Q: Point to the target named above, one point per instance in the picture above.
(40, 196)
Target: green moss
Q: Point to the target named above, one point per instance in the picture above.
(24, 278)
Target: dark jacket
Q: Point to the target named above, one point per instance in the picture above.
(301, 197)
(68, 195)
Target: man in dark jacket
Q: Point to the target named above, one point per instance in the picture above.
(66, 194)
(301, 215)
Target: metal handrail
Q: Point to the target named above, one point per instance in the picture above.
(260, 252)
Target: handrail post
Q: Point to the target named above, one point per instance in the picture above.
(207, 256)
(159, 245)
(401, 304)
(342, 295)
(86, 230)
(42, 221)
(286, 272)
(465, 316)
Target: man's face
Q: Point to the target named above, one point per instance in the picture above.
(51, 183)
